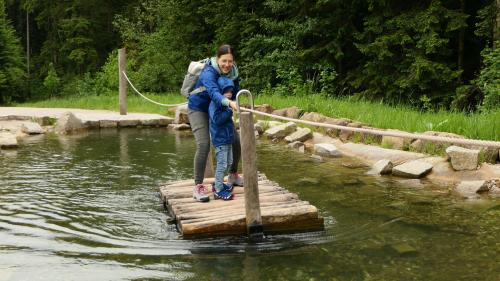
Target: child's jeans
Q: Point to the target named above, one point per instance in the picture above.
(224, 158)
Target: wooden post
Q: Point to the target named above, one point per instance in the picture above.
(123, 82)
(249, 158)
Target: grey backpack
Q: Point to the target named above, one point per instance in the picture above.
(192, 75)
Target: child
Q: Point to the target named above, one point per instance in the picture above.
(222, 135)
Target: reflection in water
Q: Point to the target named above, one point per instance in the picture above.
(86, 207)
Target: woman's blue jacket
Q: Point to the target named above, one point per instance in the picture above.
(208, 79)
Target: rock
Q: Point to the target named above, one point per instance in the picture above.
(327, 149)
(395, 142)
(266, 108)
(489, 154)
(179, 127)
(128, 123)
(469, 189)
(339, 121)
(31, 128)
(280, 131)
(259, 127)
(293, 112)
(302, 134)
(313, 117)
(353, 164)
(108, 123)
(163, 122)
(317, 157)
(298, 146)
(411, 183)
(494, 183)
(290, 112)
(8, 140)
(69, 123)
(412, 169)
(346, 135)
(307, 181)
(403, 249)
(381, 167)
(462, 158)
(495, 192)
(420, 145)
(181, 114)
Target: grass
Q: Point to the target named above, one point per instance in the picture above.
(477, 126)
(134, 103)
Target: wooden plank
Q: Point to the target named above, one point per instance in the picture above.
(181, 209)
(185, 192)
(281, 218)
(227, 211)
(202, 207)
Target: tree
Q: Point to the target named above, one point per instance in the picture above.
(11, 65)
(407, 54)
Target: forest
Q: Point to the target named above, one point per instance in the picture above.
(428, 54)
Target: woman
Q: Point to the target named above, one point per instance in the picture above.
(220, 65)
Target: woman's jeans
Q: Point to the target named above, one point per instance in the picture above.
(199, 125)
(224, 158)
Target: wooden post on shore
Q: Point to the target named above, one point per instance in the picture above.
(249, 158)
(123, 82)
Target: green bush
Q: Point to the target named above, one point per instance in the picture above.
(489, 78)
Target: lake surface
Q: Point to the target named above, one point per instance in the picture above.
(86, 207)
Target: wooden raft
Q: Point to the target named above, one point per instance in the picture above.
(281, 210)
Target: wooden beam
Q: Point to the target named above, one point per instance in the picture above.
(122, 81)
(249, 157)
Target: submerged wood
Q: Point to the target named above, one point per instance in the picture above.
(281, 210)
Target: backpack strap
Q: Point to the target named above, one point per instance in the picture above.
(197, 90)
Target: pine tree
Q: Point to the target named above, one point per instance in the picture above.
(11, 63)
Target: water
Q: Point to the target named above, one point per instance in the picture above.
(86, 207)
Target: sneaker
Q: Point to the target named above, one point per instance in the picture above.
(235, 179)
(223, 194)
(225, 187)
(199, 193)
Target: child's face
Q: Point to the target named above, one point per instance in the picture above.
(228, 94)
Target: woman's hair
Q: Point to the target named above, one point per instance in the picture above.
(225, 49)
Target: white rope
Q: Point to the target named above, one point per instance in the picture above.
(382, 132)
(148, 99)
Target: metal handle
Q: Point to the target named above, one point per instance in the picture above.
(244, 91)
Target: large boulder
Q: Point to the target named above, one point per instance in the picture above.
(8, 140)
(290, 112)
(412, 169)
(469, 189)
(327, 149)
(313, 117)
(280, 131)
(31, 128)
(69, 123)
(302, 134)
(297, 145)
(463, 158)
(381, 167)
(266, 108)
